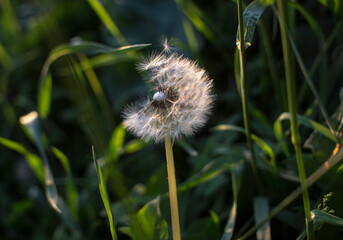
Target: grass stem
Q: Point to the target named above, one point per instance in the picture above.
(244, 93)
(290, 82)
(172, 190)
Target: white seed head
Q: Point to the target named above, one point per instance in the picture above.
(181, 104)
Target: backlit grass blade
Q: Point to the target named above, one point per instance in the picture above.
(116, 142)
(82, 47)
(71, 192)
(197, 17)
(33, 160)
(32, 123)
(104, 196)
(334, 5)
(107, 21)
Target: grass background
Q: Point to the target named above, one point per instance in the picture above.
(89, 89)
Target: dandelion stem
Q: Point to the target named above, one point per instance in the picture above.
(244, 93)
(172, 190)
(290, 81)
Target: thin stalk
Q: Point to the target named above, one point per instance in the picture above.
(314, 91)
(244, 93)
(290, 81)
(172, 190)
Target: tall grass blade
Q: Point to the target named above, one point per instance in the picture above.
(236, 176)
(32, 123)
(71, 191)
(311, 85)
(104, 196)
(107, 21)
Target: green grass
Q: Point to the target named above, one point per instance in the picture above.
(65, 59)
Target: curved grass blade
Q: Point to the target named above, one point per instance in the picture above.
(32, 124)
(188, 148)
(304, 121)
(71, 192)
(312, 87)
(104, 196)
(259, 141)
(33, 160)
(334, 5)
(210, 171)
(81, 47)
(251, 15)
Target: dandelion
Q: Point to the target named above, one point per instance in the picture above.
(181, 101)
(180, 104)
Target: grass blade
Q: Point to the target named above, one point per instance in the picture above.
(104, 196)
(336, 157)
(107, 21)
(304, 121)
(333, 5)
(261, 211)
(236, 175)
(33, 160)
(32, 123)
(319, 218)
(116, 142)
(82, 47)
(259, 141)
(71, 192)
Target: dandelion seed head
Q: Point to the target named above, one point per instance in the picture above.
(181, 101)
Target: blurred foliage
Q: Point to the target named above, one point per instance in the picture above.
(89, 87)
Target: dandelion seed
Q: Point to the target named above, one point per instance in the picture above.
(181, 101)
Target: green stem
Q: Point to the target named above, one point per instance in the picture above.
(244, 93)
(172, 190)
(290, 81)
(314, 91)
